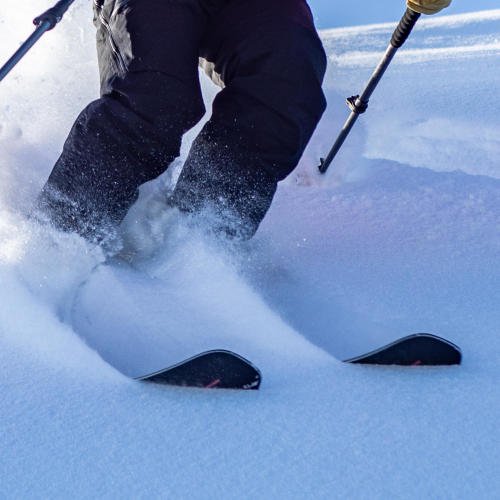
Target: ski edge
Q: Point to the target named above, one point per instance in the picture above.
(355, 359)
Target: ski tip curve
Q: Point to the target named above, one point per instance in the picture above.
(418, 349)
(215, 369)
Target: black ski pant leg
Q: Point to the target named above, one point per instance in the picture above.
(270, 62)
(150, 95)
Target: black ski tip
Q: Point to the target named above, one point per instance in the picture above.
(217, 369)
(419, 349)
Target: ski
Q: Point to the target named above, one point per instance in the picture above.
(222, 369)
(217, 369)
(419, 349)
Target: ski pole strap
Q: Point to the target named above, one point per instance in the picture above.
(52, 16)
(402, 32)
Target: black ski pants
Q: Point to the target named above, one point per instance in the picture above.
(269, 61)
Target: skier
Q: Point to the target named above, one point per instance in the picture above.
(269, 61)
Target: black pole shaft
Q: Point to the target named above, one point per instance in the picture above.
(358, 104)
(44, 22)
(361, 100)
(25, 47)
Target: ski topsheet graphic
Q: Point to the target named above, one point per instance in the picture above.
(213, 369)
(419, 349)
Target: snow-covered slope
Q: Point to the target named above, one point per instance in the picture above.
(401, 235)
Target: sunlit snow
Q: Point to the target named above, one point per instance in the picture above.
(400, 236)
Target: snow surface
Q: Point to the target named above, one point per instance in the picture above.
(401, 235)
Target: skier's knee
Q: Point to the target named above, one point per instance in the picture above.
(273, 98)
(169, 104)
(301, 102)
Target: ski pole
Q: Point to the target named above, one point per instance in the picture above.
(44, 22)
(359, 103)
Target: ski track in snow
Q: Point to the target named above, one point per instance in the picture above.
(401, 236)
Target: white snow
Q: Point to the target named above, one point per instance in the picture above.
(401, 236)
